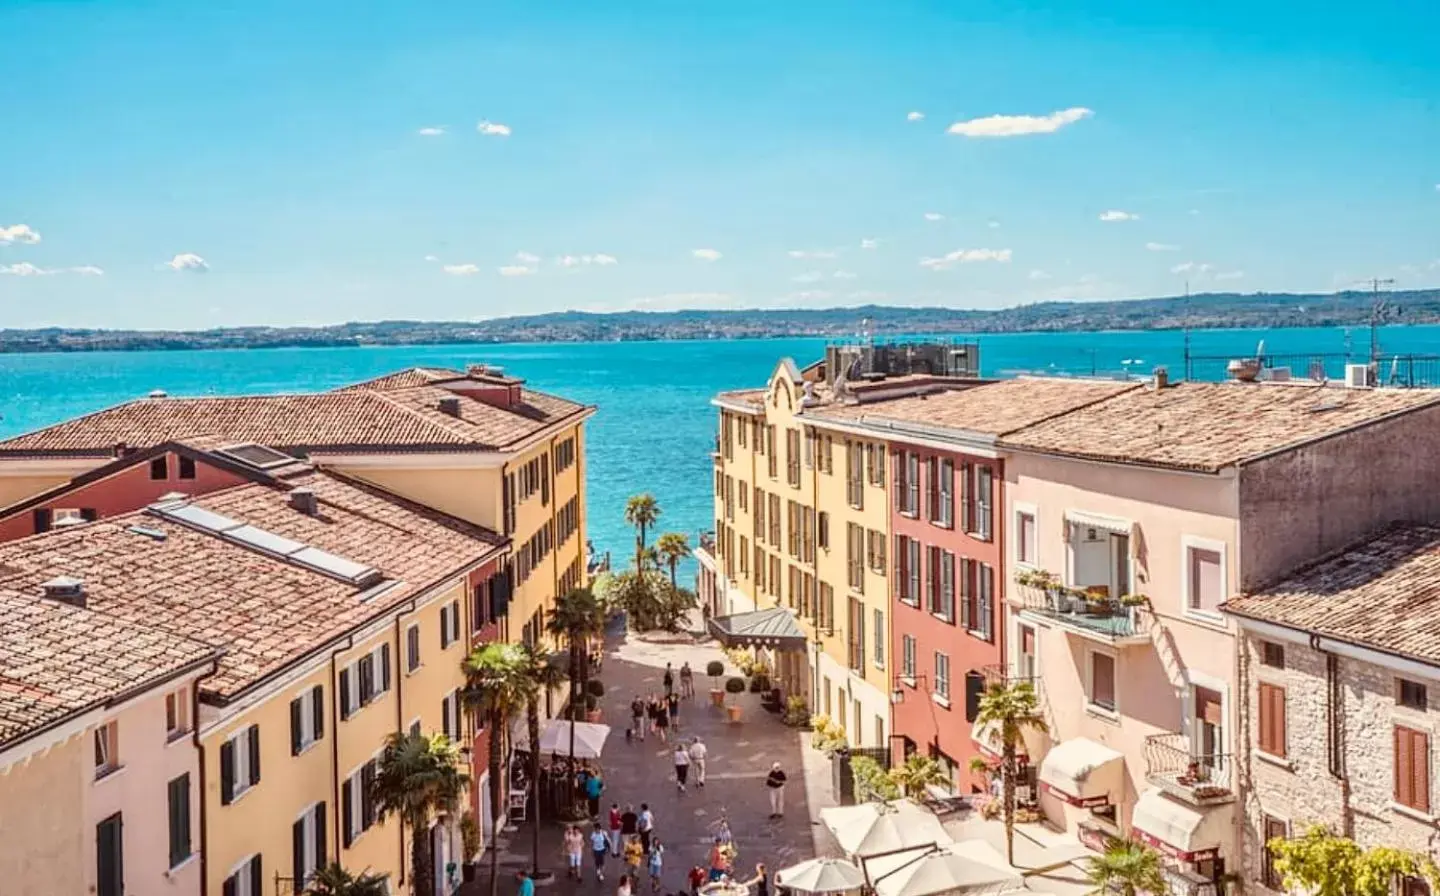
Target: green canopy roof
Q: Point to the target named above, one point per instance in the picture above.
(776, 627)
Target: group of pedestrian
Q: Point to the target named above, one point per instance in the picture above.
(654, 715)
(684, 757)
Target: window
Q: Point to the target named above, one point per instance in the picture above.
(1205, 585)
(775, 521)
(875, 463)
(450, 716)
(807, 596)
(741, 430)
(1272, 654)
(792, 457)
(856, 625)
(984, 497)
(246, 881)
(1411, 694)
(1412, 768)
(759, 515)
(945, 606)
(239, 764)
(880, 638)
(307, 719)
(855, 474)
(942, 675)
(1102, 681)
(826, 460)
(412, 648)
(307, 838)
(912, 569)
(450, 624)
(808, 546)
(107, 749)
(1272, 829)
(1025, 537)
(854, 556)
(772, 458)
(357, 809)
(794, 514)
(565, 452)
(907, 656)
(982, 621)
(1272, 719)
(822, 529)
(825, 612)
(178, 800)
(875, 550)
(945, 494)
(177, 713)
(907, 488)
(364, 680)
(160, 468)
(1025, 661)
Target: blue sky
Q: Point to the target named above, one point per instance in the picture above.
(182, 164)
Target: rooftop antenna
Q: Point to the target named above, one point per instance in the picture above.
(1377, 312)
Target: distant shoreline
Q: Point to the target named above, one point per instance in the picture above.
(1210, 311)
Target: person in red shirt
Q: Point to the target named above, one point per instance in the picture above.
(615, 829)
(696, 878)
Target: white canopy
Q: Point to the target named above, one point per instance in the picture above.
(870, 828)
(972, 866)
(1175, 828)
(1082, 772)
(555, 738)
(821, 876)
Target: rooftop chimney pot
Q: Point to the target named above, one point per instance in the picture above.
(66, 590)
(303, 500)
(451, 406)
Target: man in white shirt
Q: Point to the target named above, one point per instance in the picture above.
(698, 752)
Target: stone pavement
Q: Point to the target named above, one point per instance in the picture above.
(740, 755)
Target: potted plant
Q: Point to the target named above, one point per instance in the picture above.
(1134, 600)
(470, 842)
(594, 690)
(759, 677)
(715, 669)
(1098, 602)
(734, 686)
(797, 714)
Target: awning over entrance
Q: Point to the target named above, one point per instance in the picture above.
(1185, 832)
(1082, 772)
(775, 628)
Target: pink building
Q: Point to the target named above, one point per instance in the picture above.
(1147, 510)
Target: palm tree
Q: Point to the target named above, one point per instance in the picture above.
(418, 776)
(495, 690)
(672, 548)
(332, 880)
(641, 511)
(918, 773)
(1128, 868)
(577, 617)
(539, 675)
(1012, 707)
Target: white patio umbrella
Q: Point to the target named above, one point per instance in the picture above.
(869, 829)
(821, 876)
(555, 738)
(960, 868)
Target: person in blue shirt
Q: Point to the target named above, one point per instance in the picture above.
(599, 848)
(594, 786)
(527, 885)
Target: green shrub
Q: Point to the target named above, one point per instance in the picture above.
(715, 669)
(735, 685)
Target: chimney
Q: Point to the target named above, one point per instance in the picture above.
(303, 500)
(450, 405)
(121, 449)
(1162, 378)
(66, 590)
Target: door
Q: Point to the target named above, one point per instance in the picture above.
(440, 857)
(110, 857)
(1208, 741)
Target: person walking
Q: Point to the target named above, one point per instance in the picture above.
(656, 864)
(698, 752)
(626, 887)
(687, 681)
(672, 703)
(599, 846)
(646, 824)
(634, 852)
(594, 786)
(629, 822)
(615, 829)
(637, 717)
(527, 883)
(775, 782)
(682, 766)
(574, 848)
(662, 720)
(669, 680)
(718, 862)
(652, 710)
(696, 878)
(761, 881)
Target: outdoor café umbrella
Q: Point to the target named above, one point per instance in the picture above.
(968, 867)
(555, 738)
(870, 829)
(821, 876)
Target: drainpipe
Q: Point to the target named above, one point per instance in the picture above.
(335, 747)
(400, 721)
(1242, 747)
(200, 764)
(1335, 733)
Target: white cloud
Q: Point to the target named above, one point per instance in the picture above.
(493, 128)
(1162, 247)
(18, 233)
(1019, 125)
(1038, 274)
(674, 301)
(571, 261)
(809, 295)
(25, 269)
(934, 216)
(844, 275)
(807, 277)
(432, 132)
(461, 270)
(993, 224)
(706, 254)
(869, 243)
(811, 253)
(1192, 267)
(1116, 214)
(526, 257)
(965, 256)
(87, 270)
(187, 261)
(515, 270)
(1229, 275)
(432, 258)
(1195, 212)
(915, 116)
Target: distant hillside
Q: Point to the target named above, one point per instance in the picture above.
(1209, 310)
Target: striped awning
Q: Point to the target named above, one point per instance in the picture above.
(775, 627)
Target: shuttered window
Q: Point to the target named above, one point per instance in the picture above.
(1272, 719)
(179, 805)
(1412, 768)
(239, 764)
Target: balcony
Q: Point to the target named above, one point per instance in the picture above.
(1197, 778)
(1090, 615)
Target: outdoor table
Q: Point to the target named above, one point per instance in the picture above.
(724, 888)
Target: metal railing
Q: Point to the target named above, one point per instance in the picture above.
(1172, 764)
(1405, 370)
(1104, 618)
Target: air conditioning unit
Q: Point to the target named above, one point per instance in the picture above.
(1357, 376)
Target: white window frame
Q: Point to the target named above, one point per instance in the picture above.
(878, 638)
(1193, 680)
(941, 697)
(1018, 508)
(108, 733)
(377, 679)
(1090, 705)
(1017, 640)
(1189, 543)
(908, 649)
(413, 663)
(243, 885)
(181, 696)
(357, 803)
(450, 716)
(240, 766)
(306, 696)
(309, 818)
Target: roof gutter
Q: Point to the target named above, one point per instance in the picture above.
(1364, 653)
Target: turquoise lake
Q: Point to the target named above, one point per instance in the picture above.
(654, 427)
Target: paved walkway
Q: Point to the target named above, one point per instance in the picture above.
(740, 755)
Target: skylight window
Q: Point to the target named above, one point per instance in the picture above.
(261, 457)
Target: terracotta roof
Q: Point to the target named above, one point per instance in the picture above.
(1383, 592)
(1207, 426)
(404, 379)
(264, 610)
(753, 397)
(992, 408)
(395, 418)
(57, 660)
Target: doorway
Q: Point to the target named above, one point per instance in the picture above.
(110, 857)
(440, 859)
